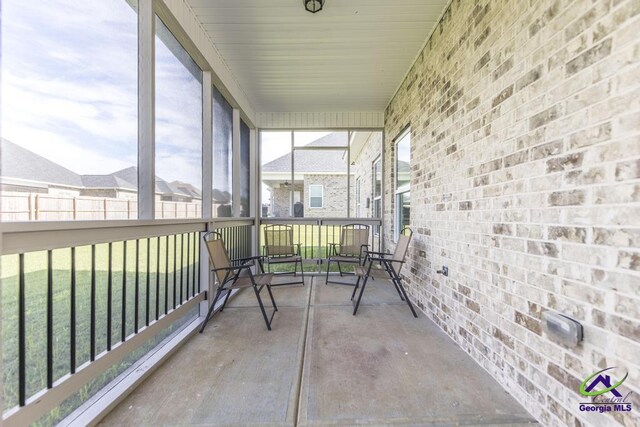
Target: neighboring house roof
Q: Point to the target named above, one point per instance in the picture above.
(310, 161)
(106, 181)
(186, 188)
(18, 162)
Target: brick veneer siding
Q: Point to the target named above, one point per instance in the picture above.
(334, 195)
(282, 199)
(525, 123)
(362, 167)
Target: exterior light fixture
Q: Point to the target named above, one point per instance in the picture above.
(313, 6)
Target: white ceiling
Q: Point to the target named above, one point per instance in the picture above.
(351, 56)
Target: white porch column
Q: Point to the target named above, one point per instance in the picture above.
(146, 110)
(207, 180)
(207, 145)
(236, 163)
(254, 188)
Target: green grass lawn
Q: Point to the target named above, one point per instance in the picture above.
(36, 310)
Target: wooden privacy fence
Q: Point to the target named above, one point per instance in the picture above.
(48, 207)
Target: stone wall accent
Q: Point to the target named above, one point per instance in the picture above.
(525, 126)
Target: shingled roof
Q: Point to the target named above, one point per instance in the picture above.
(18, 162)
(312, 161)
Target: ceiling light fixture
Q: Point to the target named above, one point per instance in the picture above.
(313, 6)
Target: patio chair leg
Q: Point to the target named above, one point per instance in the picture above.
(406, 297)
(210, 312)
(273, 301)
(302, 272)
(339, 268)
(326, 282)
(364, 284)
(264, 313)
(355, 288)
(224, 304)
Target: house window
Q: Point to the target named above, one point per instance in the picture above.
(403, 181)
(376, 184)
(316, 196)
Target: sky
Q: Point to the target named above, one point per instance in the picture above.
(69, 89)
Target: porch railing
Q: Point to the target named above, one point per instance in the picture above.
(79, 297)
(315, 236)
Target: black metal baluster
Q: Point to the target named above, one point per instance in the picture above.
(166, 275)
(72, 325)
(198, 255)
(188, 265)
(297, 228)
(92, 333)
(195, 258)
(109, 296)
(157, 277)
(236, 240)
(175, 263)
(123, 327)
(49, 319)
(136, 299)
(236, 243)
(148, 280)
(22, 342)
(181, 267)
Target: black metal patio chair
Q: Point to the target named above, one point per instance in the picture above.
(354, 241)
(385, 266)
(235, 274)
(280, 249)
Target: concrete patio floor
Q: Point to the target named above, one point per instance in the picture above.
(320, 365)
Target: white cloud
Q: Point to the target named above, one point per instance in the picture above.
(69, 89)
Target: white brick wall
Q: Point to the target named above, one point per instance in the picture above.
(525, 122)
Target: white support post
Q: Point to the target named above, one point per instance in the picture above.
(146, 110)
(349, 133)
(383, 162)
(207, 145)
(236, 163)
(207, 180)
(254, 188)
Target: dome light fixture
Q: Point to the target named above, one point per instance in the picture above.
(313, 6)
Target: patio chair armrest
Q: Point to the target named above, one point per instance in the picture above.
(258, 257)
(233, 268)
(382, 254)
(379, 259)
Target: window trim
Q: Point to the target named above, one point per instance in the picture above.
(406, 188)
(321, 196)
